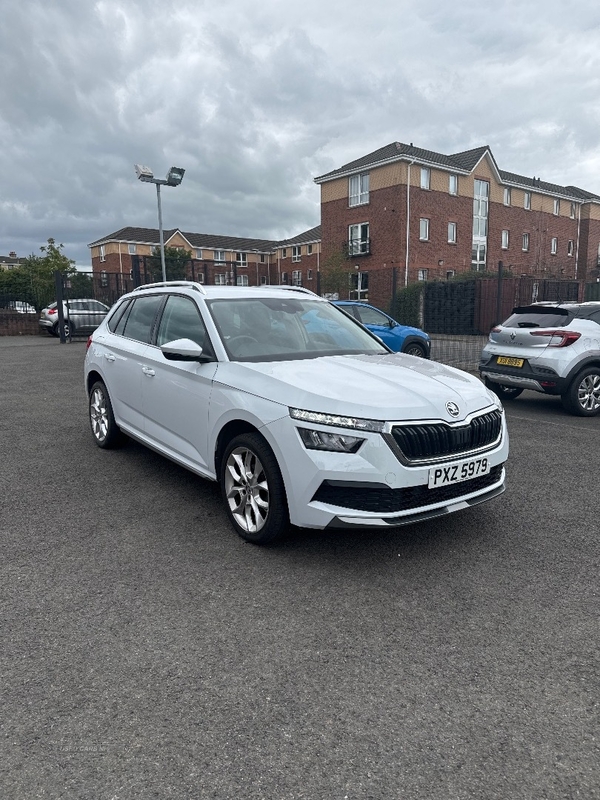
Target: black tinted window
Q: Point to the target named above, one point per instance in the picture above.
(116, 323)
(538, 318)
(140, 320)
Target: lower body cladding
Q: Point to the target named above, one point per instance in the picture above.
(372, 488)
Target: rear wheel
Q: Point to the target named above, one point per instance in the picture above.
(582, 398)
(105, 430)
(415, 349)
(253, 490)
(67, 327)
(503, 392)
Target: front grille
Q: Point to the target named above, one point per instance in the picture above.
(438, 439)
(383, 500)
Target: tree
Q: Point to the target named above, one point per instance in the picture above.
(334, 275)
(176, 262)
(33, 281)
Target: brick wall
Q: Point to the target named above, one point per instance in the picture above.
(14, 324)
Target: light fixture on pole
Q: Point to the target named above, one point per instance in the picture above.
(174, 178)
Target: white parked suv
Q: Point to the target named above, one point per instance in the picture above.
(300, 413)
(552, 348)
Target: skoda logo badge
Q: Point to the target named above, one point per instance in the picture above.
(452, 409)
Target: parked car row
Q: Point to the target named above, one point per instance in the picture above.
(81, 316)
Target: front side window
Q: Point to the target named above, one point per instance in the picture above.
(452, 184)
(507, 195)
(296, 251)
(424, 230)
(371, 316)
(525, 247)
(452, 232)
(425, 178)
(140, 320)
(505, 240)
(181, 320)
(358, 239)
(554, 246)
(527, 201)
(358, 189)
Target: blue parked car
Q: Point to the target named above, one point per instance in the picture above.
(399, 338)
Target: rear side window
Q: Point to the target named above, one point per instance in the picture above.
(140, 320)
(532, 317)
(117, 316)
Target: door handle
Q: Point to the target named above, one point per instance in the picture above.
(149, 372)
(110, 357)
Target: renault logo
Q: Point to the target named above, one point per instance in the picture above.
(452, 409)
(513, 336)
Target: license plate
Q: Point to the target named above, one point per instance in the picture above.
(458, 471)
(510, 362)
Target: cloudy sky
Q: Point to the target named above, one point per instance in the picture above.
(255, 99)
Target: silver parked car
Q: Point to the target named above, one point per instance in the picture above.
(81, 316)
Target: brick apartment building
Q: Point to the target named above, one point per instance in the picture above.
(403, 214)
(221, 260)
(399, 215)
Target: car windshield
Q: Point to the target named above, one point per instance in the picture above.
(537, 317)
(286, 328)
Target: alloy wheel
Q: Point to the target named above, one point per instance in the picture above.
(99, 414)
(588, 392)
(247, 489)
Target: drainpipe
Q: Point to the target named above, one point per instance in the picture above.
(407, 223)
(577, 247)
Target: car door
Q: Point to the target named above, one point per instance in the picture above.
(176, 394)
(378, 323)
(123, 358)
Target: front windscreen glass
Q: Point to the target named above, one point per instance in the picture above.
(286, 328)
(538, 317)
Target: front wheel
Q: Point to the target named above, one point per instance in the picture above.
(582, 397)
(68, 328)
(105, 430)
(503, 392)
(253, 490)
(415, 349)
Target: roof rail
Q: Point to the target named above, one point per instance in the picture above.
(188, 284)
(290, 289)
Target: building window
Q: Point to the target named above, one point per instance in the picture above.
(309, 275)
(572, 212)
(450, 273)
(478, 257)
(359, 189)
(570, 247)
(481, 196)
(525, 246)
(241, 259)
(102, 253)
(199, 254)
(452, 184)
(554, 246)
(556, 208)
(359, 286)
(424, 230)
(262, 258)
(132, 249)
(219, 256)
(200, 277)
(507, 195)
(242, 280)
(296, 252)
(358, 239)
(527, 201)
(284, 252)
(221, 279)
(309, 248)
(505, 240)
(284, 277)
(425, 178)
(422, 275)
(297, 277)
(103, 279)
(452, 233)
(263, 280)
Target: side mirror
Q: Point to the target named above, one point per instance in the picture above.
(183, 350)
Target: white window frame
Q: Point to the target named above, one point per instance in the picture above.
(200, 277)
(102, 252)
(297, 277)
(453, 184)
(358, 239)
(219, 256)
(554, 246)
(450, 273)
(425, 178)
(132, 249)
(284, 252)
(198, 255)
(241, 259)
(527, 201)
(525, 244)
(358, 189)
(572, 211)
(309, 249)
(505, 239)
(104, 279)
(241, 280)
(452, 228)
(507, 196)
(309, 274)
(221, 279)
(296, 252)
(284, 277)
(570, 248)
(424, 229)
(422, 274)
(556, 211)
(263, 280)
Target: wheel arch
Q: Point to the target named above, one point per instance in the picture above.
(591, 361)
(229, 431)
(92, 377)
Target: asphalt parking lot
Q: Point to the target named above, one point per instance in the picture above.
(148, 652)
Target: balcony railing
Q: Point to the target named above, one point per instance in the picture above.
(357, 247)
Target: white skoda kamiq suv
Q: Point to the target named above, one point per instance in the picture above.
(299, 412)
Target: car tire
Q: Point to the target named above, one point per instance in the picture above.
(503, 392)
(105, 430)
(253, 490)
(582, 398)
(415, 349)
(68, 328)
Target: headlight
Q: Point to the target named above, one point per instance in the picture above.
(338, 421)
(336, 442)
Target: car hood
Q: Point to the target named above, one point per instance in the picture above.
(384, 387)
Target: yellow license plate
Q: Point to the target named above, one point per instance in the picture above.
(510, 362)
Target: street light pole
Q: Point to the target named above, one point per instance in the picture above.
(174, 178)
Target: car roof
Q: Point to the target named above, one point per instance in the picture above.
(227, 292)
